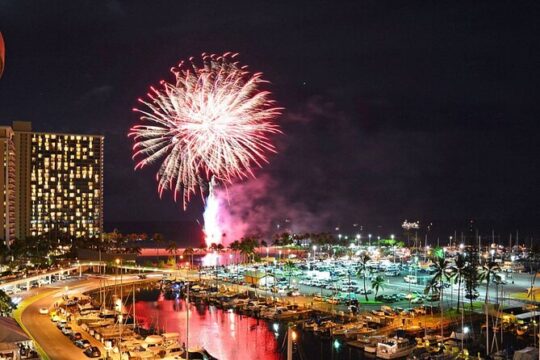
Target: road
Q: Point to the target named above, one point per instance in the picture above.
(44, 331)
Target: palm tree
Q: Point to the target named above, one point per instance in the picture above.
(247, 247)
(172, 248)
(377, 284)
(457, 272)
(488, 273)
(289, 267)
(158, 239)
(362, 270)
(264, 244)
(189, 251)
(440, 275)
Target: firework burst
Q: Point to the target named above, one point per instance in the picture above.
(214, 123)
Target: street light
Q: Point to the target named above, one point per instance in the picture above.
(369, 237)
(314, 250)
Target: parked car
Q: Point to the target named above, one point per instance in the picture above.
(92, 352)
(333, 300)
(82, 343)
(411, 279)
(66, 330)
(75, 336)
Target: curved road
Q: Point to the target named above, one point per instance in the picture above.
(55, 344)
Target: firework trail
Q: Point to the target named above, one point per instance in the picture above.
(212, 123)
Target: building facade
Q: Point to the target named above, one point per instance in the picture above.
(56, 183)
(7, 185)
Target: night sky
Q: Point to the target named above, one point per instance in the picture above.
(395, 110)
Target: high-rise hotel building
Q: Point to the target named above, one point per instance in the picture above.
(7, 184)
(58, 184)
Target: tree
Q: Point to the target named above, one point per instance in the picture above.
(158, 240)
(189, 251)
(440, 275)
(457, 272)
(363, 269)
(247, 247)
(377, 284)
(489, 273)
(172, 248)
(289, 267)
(202, 246)
(6, 305)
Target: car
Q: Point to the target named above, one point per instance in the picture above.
(61, 323)
(44, 311)
(332, 300)
(92, 352)
(75, 336)
(365, 292)
(411, 279)
(82, 343)
(66, 330)
(433, 297)
(142, 276)
(318, 298)
(472, 296)
(417, 300)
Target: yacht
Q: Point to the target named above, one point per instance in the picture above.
(394, 348)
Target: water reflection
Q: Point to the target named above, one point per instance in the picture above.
(226, 335)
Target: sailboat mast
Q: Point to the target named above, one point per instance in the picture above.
(187, 322)
(133, 305)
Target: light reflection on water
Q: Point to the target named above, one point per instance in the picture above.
(226, 335)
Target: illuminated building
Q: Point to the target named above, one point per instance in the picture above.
(59, 183)
(7, 185)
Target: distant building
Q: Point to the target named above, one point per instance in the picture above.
(2, 54)
(7, 184)
(53, 184)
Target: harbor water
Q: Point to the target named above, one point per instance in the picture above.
(231, 336)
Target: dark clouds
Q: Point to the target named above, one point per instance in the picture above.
(394, 109)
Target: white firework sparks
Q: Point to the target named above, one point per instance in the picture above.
(214, 122)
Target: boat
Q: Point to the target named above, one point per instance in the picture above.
(197, 353)
(394, 348)
(370, 341)
(522, 330)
